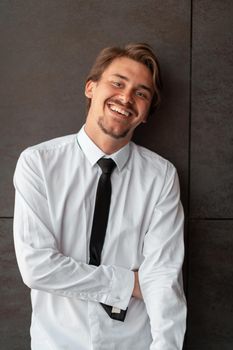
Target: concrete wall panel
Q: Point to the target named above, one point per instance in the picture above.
(210, 296)
(48, 48)
(15, 313)
(212, 127)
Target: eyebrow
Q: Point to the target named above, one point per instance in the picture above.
(142, 86)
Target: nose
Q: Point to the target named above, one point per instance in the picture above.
(126, 96)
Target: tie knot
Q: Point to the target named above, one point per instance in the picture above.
(107, 165)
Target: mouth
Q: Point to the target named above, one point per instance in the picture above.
(119, 110)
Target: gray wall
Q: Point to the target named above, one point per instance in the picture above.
(47, 48)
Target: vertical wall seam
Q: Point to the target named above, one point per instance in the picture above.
(189, 157)
(190, 110)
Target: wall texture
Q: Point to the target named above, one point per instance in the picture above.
(47, 48)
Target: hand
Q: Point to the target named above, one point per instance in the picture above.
(136, 290)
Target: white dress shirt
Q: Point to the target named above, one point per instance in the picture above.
(55, 185)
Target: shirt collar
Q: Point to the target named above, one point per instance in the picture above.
(94, 153)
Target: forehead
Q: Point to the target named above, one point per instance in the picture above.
(134, 71)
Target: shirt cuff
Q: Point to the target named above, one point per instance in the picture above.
(121, 288)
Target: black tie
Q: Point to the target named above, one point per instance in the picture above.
(100, 221)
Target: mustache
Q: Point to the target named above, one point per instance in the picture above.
(126, 105)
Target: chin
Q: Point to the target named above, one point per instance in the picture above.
(114, 132)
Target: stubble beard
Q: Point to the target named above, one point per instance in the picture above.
(111, 132)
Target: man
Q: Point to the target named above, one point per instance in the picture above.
(140, 260)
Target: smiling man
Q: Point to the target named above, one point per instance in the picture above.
(98, 223)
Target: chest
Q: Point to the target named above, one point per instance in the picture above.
(133, 200)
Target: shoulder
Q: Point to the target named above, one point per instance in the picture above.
(151, 161)
(48, 152)
(52, 145)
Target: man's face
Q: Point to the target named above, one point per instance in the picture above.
(121, 99)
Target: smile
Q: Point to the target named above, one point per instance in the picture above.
(119, 110)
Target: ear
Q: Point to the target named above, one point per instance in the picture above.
(89, 88)
(148, 114)
(144, 121)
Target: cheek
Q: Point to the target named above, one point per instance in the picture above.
(143, 108)
(103, 95)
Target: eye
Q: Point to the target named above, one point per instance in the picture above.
(141, 94)
(116, 83)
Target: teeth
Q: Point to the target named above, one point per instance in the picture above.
(119, 110)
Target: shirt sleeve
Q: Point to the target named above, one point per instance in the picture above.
(160, 274)
(42, 265)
